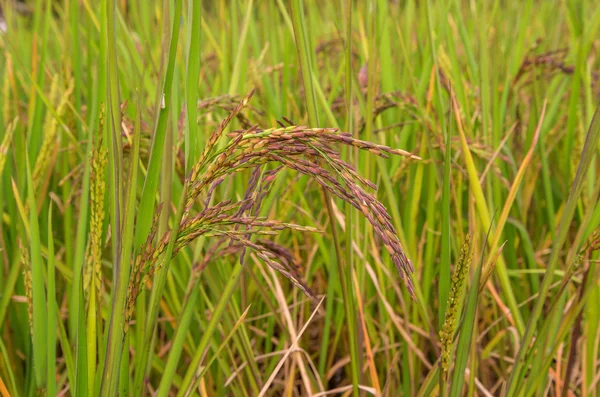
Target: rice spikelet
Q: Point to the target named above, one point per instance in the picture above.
(27, 279)
(6, 141)
(50, 142)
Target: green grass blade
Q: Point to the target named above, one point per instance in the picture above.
(117, 323)
(52, 312)
(181, 332)
(234, 329)
(159, 283)
(444, 280)
(11, 375)
(163, 105)
(193, 139)
(40, 320)
(241, 47)
(589, 151)
(486, 222)
(81, 355)
(207, 333)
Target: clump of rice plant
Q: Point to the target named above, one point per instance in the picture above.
(149, 247)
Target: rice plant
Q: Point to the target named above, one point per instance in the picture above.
(303, 198)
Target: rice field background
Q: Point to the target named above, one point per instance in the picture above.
(299, 198)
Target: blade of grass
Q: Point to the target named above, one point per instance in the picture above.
(40, 321)
(163, 104)
(181, 332)
(241, 46)
(566, 327)
(207, 333)
(444, 280)
(368, 349)
(234, 329)
(52, 312)
(124, 236)
(80, 388)
(589, 150)
(514, 189)
(158, 287)
(66, 349)
(11, 375)
(192, 140)
(485, 218)
(444, 272)
(92, 348)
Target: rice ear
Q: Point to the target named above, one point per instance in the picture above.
(308, 151)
